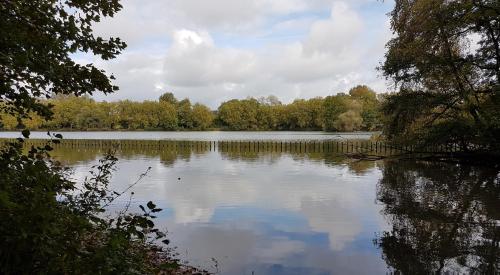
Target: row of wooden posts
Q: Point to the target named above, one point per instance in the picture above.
(318, 146)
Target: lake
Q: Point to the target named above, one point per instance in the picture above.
(268, 212)
(201, 135)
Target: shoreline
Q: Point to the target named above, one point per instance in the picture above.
(182, 131)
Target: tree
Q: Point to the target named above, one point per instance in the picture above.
(184, 114)
(370, 112)
(167, 116)
(202, 117)
(109, 112)
(363, 92)
(305, 114)
(348, 121)
(297, 114)
(447, 79)
(37, 39)
(8, 122)
(50, 224)
(67, 110)
(341, 104)
(239, 114)
(168, 97)
(267, 117)
(317, 113)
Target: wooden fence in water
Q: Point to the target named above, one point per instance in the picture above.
(318, 146)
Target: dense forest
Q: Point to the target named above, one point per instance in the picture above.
(353, 111)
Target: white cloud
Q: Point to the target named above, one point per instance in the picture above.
(288, 48)
(139, 75)
(194, 60)
(337, 34)
(139, 20)
(220, 13)
(334, 202)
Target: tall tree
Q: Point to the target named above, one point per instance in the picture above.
(184, 113)
(47, 227)
(37, 40)
(168, 97)
(342, 113)
(445, 58)
(370, 111)
(202, 116)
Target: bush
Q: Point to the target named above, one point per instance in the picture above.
(52, 225)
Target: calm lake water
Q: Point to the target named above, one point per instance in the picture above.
(314, 213)
(201, 135)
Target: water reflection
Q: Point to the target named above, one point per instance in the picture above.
(272, 212)
(73, 156)
(445, 218)
(266, 212)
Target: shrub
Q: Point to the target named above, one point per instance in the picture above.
(52, 225)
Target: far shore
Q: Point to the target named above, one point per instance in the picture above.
(186, 130)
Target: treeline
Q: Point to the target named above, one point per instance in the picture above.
(353, 111)
(83, 113)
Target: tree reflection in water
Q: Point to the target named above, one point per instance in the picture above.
(445, 218)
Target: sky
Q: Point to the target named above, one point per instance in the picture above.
(211, 51)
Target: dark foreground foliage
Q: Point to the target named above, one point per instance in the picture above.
(51, 225)
(37, 39)
(445, 57)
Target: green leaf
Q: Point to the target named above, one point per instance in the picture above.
(150, 223)
(26, 133)
(151, 205)
(173, 265)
